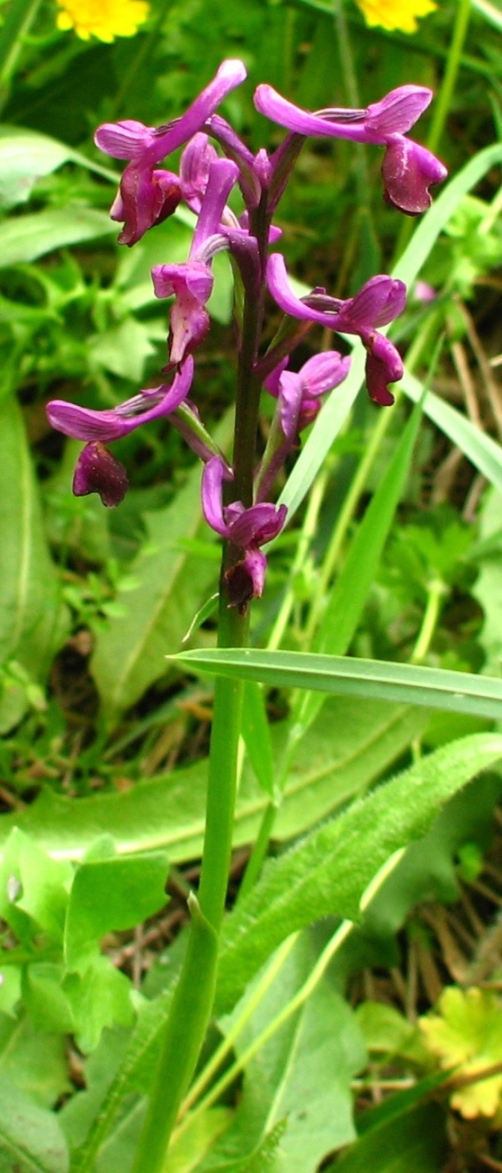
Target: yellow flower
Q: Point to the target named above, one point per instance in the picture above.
(104, 19)
(395, 14)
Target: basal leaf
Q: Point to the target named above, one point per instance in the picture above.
(327, 872)
(168, 812)
(111, 895)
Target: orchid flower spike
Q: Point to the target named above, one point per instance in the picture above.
(408, 169)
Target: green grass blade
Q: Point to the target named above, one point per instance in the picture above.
(436, 688)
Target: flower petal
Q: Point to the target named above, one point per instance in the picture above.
(97, 471)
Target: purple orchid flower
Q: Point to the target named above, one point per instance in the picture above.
(408, 169)
(248, 529)
(299, 392)
(379, 301)
(147, 195)
(192, 281)
(97, 471)
(81, 423)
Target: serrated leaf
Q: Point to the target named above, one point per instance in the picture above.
(437, 688)
(466, 1032)
(327, 872)
(99, 998)
(32, 620)
(111, 895)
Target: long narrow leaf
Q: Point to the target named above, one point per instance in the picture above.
(437, 688)
(348, 596)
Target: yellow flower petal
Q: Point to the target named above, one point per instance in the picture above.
(400, 15)
(104, 19)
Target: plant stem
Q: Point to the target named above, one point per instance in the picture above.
(190, 1012)
(18, 21)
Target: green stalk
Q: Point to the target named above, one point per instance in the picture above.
(188, 1019)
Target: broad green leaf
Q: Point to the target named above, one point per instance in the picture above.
(171, 585)
(31, 1140)
(111, 895)
(416, 1141)
(320, 1048)
(169, 812)
(44, 998)
(346, 601)
(437, 688)
(25, 238)
(185, 1154)
(327, 872)
(32, 621)
(25, 156)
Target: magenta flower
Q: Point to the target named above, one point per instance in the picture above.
(408, 169)
(248, 529)
(379, 301)
(147, 195)
(299, 392)
(191, 282)
(81, 423)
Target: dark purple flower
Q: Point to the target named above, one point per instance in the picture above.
(81, 423)
(147, 195)
(379, 301)
(408, 169)
(97, 471)
(248, 529)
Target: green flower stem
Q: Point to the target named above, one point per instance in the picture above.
(437, 591)
(187, 1022)
(335, 943)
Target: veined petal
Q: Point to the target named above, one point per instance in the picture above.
(384, 365)
(124, 140)
(398, 111)
(379, 301)
(323, 372)
(133, 140)
(195, 162)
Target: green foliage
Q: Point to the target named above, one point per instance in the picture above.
(79, 320)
